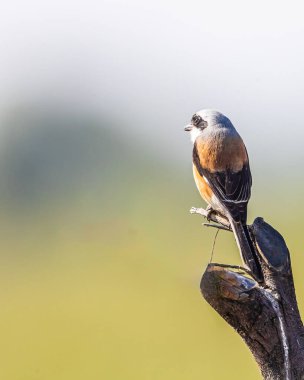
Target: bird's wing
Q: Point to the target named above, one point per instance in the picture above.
(232, 188)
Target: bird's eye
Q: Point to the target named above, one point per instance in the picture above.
(196, 120)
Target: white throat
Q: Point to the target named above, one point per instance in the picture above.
(195, 132)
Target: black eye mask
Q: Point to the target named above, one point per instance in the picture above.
(197, 121)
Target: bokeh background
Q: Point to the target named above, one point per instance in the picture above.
(100, 261)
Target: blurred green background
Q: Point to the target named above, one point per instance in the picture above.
(100, 260)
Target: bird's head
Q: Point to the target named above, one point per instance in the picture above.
(206, 120)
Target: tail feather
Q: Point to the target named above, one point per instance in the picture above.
(246, 249)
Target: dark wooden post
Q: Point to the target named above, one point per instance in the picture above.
(265, 313)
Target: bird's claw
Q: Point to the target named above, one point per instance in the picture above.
(209, 211)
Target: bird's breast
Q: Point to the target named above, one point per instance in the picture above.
(220, 152)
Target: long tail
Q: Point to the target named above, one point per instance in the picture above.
(246, 249)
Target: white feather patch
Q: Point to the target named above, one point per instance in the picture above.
(195, 132)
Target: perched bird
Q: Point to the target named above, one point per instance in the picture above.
(222, 174)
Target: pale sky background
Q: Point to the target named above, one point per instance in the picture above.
(100, 260)
(150, 65)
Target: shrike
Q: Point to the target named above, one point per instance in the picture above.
(222, 174)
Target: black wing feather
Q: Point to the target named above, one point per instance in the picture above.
(233, 189)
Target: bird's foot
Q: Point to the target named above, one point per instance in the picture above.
(209, 212)
(212, 215)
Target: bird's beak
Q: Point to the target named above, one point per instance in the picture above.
(188, 127)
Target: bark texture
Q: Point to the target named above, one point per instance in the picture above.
(264, 313)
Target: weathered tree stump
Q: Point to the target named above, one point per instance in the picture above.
(264, 313)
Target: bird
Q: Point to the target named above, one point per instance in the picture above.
(222, 175)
